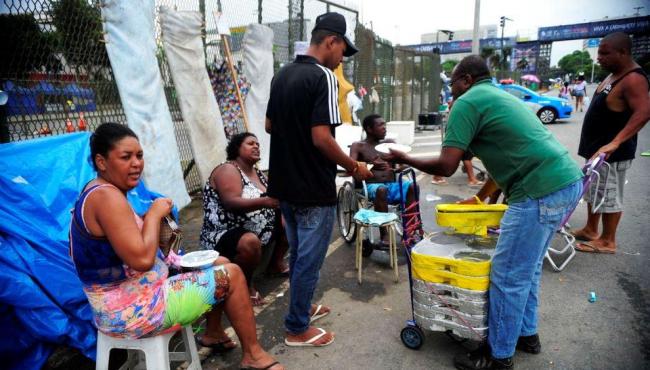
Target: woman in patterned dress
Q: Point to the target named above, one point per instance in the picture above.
(119, 262)
(239, 219)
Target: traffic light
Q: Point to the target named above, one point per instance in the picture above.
(451, 36)
(503, 21)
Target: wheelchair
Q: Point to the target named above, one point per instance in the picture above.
(353, 196)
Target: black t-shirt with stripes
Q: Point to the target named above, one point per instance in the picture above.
(303, 94)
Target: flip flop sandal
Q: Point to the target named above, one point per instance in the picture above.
(257, 300)
(316, 315)
(260, 368)
(589, 248)
(219, 347)
(277, 274)
(311, 341)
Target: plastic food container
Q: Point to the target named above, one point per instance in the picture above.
(199, 260)
(470, 218)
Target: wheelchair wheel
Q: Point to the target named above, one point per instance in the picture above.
(346, 206)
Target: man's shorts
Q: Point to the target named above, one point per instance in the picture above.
(392, 188)
(612, 182)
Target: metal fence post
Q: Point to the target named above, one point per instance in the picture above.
(302, 20)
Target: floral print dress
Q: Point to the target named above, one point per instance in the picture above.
(217, 220)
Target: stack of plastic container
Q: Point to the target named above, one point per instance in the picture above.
(451, 271)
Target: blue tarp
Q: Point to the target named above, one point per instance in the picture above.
(41, 301)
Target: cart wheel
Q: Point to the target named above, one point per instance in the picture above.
(480, 176)
(367, 248)
(412, 337)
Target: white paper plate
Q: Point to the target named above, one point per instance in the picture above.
(385, 147)
(199, 259)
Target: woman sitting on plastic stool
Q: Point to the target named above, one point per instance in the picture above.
(239, 220)
(117, 258)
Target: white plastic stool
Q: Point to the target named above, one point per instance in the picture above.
(156, 350)
(391, 227)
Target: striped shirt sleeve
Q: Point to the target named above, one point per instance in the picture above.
(326, 103)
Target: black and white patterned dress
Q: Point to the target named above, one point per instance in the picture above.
(217, 220)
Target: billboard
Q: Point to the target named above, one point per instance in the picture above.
(462, 46)
(527, 51)
(594, 29)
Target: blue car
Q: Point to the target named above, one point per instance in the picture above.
(547, 108)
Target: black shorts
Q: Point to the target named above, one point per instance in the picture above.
(467, 155)
(227, 244)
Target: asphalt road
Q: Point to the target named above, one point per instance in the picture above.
(612, 333)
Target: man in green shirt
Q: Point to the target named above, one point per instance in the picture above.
(542, 185)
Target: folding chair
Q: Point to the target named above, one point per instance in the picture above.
(591, 174)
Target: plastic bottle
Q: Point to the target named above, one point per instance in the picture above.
(68, 126)
(81, 124)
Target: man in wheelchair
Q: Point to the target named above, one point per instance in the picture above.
(383, 188)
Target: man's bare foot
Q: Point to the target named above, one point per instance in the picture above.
(312, 337)
(597, 246)
(262, 360)
(584, 234)
(438, 180)
(475, 183)
(318, 311)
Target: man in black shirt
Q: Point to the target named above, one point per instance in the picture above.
(301, 115)
(619, 109)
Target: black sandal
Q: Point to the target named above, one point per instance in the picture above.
(219, 347)
(259, 368)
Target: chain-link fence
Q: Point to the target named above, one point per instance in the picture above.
(56, 70)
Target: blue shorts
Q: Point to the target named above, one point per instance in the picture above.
(393, 190)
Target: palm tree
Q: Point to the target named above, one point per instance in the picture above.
(522, 64)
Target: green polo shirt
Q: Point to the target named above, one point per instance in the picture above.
(521, 155)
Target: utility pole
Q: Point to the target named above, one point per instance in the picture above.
(477, 13)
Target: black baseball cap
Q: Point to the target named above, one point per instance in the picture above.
(335, 22)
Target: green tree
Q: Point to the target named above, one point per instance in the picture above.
(578, 61)
(80, 28)
(24, 46)
(488, 54)
(522, 64)
(448, 66)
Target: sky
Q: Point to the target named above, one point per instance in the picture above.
(403, 21)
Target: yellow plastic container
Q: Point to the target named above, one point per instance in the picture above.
(481, 283)
(470, 218)
(427, 263)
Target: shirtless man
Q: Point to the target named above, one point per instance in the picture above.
(619, 109)
(383, 189)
